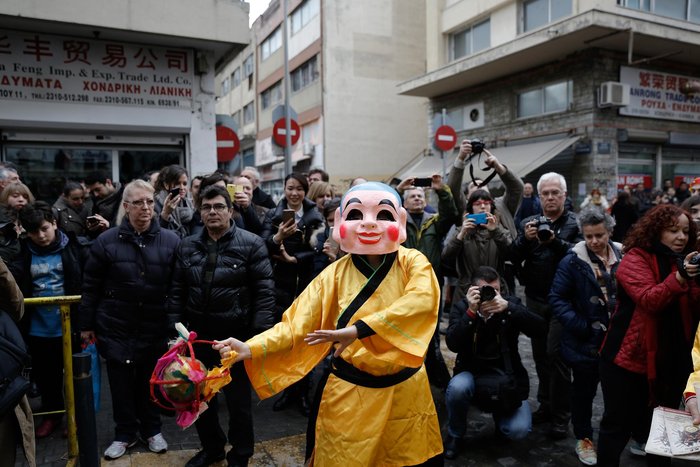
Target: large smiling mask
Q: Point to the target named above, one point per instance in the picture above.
(370, 220)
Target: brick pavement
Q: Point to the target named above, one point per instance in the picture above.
(280, 441)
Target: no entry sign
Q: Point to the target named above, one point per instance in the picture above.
(227, 144)
(279, 132)
(445, 138)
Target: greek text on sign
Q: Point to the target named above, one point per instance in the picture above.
(654, 94)
(43, 67)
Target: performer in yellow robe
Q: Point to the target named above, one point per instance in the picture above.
(379, 304)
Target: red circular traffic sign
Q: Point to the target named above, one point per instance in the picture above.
(445, 138)
(227, 144)
(279, 132)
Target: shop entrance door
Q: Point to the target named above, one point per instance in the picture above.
(45, 168)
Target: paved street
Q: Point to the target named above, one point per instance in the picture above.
(280, 437)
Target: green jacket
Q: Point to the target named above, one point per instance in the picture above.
(428, 238)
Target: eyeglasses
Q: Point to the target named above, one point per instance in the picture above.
(553, 194)
(206, 208)
(139, 203)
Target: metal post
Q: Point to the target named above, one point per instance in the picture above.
(68, 381)
(69, 396)
(85, 410)
(444, 162)
(287, 125)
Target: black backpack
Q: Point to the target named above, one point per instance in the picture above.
(14, 364)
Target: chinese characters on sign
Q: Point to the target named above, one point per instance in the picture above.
(42, 67)
(654, 94)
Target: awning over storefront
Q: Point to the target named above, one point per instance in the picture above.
(520, 159)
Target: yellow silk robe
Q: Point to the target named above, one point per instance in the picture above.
(695, 375)
(360, 426)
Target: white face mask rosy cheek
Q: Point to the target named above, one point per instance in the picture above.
(369, 236)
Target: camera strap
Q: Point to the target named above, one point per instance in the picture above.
(485, 181)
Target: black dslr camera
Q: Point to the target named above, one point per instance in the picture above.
(544, 228)
(487, 293)
(695, 259)
(477, 146)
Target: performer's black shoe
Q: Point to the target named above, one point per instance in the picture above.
(283, 401)
(203, 458)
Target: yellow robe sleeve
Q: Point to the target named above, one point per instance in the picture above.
(695, 375)
(293, 358)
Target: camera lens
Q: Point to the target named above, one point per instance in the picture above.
(487, 293)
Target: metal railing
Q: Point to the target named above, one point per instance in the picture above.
(64, 302)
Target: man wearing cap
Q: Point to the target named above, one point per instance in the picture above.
(376, 407)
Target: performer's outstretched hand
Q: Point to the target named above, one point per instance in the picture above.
(227, 345)
(343, 337)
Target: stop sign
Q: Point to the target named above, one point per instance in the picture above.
(445, 138)
(227, 144)
(279, 132)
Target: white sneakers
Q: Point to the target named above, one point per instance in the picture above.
(156, 443)
(118, 449)
(586, 452)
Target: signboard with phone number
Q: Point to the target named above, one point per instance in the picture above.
(44, 67)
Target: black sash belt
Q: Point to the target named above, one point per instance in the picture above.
(349, 373)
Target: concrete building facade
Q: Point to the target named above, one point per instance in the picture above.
(594, 89)
(121, 87)
(345, 61)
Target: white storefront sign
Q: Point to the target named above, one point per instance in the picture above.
(654, 94)
(43, 67)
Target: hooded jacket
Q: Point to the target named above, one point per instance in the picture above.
(578, 302)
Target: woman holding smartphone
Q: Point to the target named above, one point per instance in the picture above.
(480, 241)
(174, 208)
(287, 232)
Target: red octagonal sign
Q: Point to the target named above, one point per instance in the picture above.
(279, 132)
(445, 138)
(227, 144)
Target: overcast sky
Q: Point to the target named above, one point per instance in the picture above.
(257, 7)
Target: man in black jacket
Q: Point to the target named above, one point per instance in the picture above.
(483, 331)
(542, 242)
(223, 287)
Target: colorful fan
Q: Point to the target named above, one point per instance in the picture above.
(182, 383)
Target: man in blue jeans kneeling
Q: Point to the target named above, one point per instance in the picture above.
(488, 372)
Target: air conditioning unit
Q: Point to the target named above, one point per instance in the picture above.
(613, 94)
(309, 149)
(473, 116)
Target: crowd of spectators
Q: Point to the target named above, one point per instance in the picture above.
(604, 292)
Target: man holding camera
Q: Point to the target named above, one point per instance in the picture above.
(507, 204)
(488, 371)
(544, 241)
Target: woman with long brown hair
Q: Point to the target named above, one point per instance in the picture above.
(646, 355)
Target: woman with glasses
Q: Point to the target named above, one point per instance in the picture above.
(288, 241)
(126, 281)
(480, 241)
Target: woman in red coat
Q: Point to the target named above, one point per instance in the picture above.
(645, 358)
